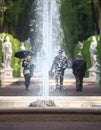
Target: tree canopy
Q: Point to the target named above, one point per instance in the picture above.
(79, 19)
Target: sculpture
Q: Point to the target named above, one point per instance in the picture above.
(7, 49)
(80, 45)
(92, 50)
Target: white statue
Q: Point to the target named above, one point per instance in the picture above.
(7, 49)
(92, 50)
(94, 61)
(80, 45)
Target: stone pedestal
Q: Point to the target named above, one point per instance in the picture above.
(8, 72)
(97, 77)
(92, 72)
(2, 75)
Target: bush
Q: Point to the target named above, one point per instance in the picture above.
(1, 53)
(16, 62)
(86, 53)
(99, 55)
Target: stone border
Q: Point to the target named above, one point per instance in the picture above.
(50, 114)
(87, 114)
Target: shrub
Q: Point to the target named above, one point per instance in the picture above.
(99, 55)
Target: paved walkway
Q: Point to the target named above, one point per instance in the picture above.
(50, 125)
(36, 89)
(18, 89)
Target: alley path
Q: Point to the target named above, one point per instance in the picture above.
(35, 89)
(18, 89)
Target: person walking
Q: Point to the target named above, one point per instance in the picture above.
(79, 67)
(28, 69)
(59, 65)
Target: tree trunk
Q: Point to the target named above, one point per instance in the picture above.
(96, 4)
(2, 2)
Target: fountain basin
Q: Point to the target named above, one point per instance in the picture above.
(50, 114)
(86, 109)
(60, 102)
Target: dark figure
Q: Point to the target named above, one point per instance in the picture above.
(28, 68)
(59, 64)
(79, 67)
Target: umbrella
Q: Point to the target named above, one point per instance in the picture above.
(23, 53)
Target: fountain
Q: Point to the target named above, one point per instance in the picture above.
(66, 109)
(48, 30)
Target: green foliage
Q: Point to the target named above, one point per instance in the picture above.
(68, 20)
(76, 50)
(1, 53)
(77, 22)
(16, 63)
(2, 11)
(13, 11)
(85, 51)
(99, 55)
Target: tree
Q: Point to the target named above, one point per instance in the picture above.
(96, 7)
(77, 22)
(3, 8)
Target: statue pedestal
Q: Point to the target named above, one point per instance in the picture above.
(8, 72)
(2, 75)
(92, 72)
(97, 77)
